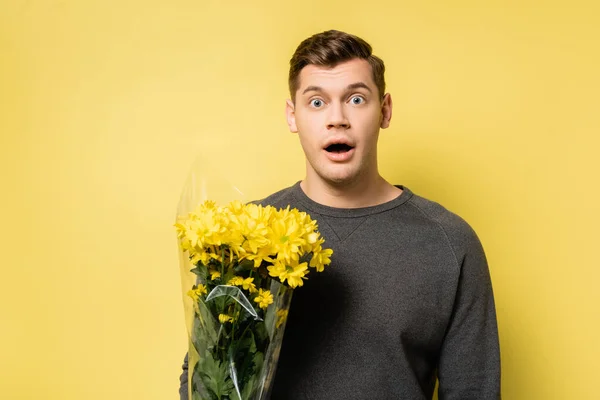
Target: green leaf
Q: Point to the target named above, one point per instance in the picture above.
(195, 270)
(250, 386)
(206, 330)
(201, 270)
(199, 390)
(249, 363)
(215, 376)
(261, 333)
(259, 359)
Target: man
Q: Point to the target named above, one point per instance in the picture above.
(407, 297)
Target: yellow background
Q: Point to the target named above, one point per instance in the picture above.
(105, 104)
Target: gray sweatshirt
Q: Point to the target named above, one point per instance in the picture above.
(407, 298)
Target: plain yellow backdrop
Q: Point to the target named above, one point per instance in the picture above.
(104, 105)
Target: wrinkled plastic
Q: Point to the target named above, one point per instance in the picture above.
(236, 294)
(225, 362)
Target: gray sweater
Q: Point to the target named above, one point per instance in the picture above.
(407, 298)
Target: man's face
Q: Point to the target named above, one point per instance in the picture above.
(337, 114)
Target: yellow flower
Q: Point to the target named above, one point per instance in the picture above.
(236, 281)
(297, 274)
(249, 229)
(262, 235)
(192, 294)
(214, 255)
(245, 283)
(197, 292)
(248, 285)
(293, 274)
(281, 317)
(312, 237)
(204, 228)
(262, 254)
(264, 298)
(236, 207)
(287, 235)
(320, 258)
(223, 318)
(277, 270)
(199, 256)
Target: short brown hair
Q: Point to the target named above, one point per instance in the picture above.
(330, 48)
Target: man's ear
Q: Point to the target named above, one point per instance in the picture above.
(386, 110)
(291, 116)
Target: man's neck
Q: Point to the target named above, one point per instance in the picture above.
(359, 194)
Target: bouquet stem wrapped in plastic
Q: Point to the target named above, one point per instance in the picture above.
(239, 266)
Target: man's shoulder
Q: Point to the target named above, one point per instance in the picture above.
(279, 199)
(453, 225)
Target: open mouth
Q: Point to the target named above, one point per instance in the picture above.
(338, 148)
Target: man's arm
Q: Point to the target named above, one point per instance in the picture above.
(183, 380)
(469, 364)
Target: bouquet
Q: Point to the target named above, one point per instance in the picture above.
(247, 260)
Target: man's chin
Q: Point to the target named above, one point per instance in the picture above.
(340, 181)
(339, 177)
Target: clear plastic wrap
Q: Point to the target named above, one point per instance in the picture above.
(239, 263)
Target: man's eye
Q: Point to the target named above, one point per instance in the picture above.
(357, 100)
(316, 103)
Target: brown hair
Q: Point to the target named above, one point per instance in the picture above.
(329, 49)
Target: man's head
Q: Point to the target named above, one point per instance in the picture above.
(329, 49)
(338, 106)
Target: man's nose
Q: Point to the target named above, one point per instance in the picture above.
(337, 117)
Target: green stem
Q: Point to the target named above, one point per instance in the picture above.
(223, 263)
(245, 330)
(235, 307)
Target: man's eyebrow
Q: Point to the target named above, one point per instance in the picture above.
(312, 89)
(357, 85)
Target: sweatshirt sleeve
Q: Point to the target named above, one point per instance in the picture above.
(469, 363)
(183, 380)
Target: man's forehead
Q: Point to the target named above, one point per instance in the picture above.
(340, 75)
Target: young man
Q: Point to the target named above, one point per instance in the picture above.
(407, 297)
